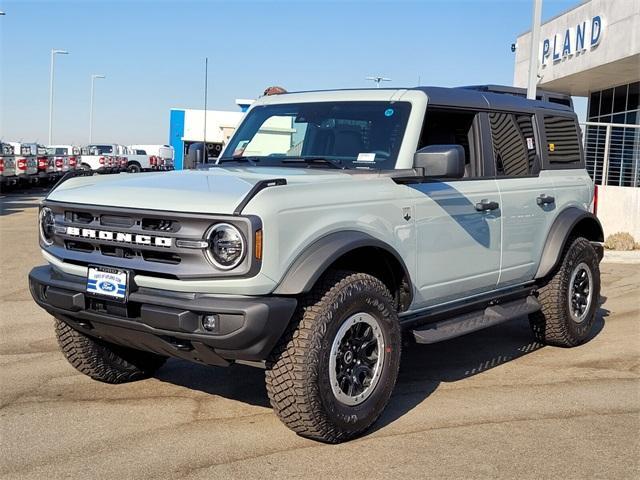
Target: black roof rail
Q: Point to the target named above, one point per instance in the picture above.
(543, 95)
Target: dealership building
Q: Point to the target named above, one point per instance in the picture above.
(593, 51)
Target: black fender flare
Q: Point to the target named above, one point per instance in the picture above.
(561, 229)
(307, 268)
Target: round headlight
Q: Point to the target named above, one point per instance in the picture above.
(46, 222)
(226, 246)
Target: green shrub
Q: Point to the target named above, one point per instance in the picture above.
(620, 241)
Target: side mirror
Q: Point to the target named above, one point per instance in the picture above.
(441, 161)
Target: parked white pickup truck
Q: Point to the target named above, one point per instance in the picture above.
(99, 158)
(65, 157)
(160, 156)
(26, 161)
(7, 166)
(137, 160)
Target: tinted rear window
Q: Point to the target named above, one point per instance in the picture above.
(563, 141)
(514, 145)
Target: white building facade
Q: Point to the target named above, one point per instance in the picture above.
(593, 51)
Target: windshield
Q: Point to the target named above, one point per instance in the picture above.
(347, 134)
(99, 149)
(56, 151)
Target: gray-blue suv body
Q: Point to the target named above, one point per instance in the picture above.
(332, 222)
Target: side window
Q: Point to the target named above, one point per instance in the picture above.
(514, 144)
(563, 141)
(453, 127)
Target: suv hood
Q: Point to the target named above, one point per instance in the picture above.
(217, 190)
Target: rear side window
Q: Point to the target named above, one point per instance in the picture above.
(514, 144)
(563, 141)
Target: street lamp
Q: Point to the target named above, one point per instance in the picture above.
(532, 81)
(54, 52)
(93, 79)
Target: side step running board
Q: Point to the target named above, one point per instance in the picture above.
(473, 321)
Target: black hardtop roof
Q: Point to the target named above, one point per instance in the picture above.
(495, 97)
(498, 97)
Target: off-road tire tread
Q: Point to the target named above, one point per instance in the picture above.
(290, 388)
(103, 361)
(549, 325)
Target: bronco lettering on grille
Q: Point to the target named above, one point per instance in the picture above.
(119, 237)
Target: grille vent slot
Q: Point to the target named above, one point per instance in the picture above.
(78, 217)
(78, 246)
(161, 257)
(160, 225)
(116, 221)
(117, 251)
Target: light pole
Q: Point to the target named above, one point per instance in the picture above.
(532, 81)
(93, 79)
(54, 52)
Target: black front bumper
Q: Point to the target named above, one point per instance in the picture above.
(168, 323)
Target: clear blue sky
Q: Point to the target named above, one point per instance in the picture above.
(153, 55)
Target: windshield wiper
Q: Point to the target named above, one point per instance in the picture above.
(310, 160)
(250, 159)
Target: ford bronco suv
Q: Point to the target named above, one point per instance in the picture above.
(333, 222)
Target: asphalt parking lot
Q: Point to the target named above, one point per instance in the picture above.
(491, 404)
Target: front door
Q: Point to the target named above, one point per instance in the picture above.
(459, 239)
(458, 222)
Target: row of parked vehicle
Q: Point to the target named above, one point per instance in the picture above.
(33, 164)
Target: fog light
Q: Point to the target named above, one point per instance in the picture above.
(210, 322)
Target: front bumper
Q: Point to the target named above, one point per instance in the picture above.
(168, 323)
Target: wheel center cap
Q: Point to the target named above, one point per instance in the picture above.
(348, 356)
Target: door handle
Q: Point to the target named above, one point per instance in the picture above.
(544, 199)
(485, 205)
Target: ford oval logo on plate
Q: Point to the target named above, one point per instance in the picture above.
(107, 286)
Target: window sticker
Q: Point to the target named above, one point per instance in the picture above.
(366, 157)
(389, 112)
(530, 144)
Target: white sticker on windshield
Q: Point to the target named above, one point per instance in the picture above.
(530, 145)
(366, 157)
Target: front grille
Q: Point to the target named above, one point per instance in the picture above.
(141, 241)
(136, 240)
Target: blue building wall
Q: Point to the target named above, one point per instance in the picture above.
(176, 132)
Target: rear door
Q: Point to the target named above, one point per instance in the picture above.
(458, 239)
(562, 155)
(527, 195)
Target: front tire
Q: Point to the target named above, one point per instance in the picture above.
(134, 168)
(570, 298)
(104, 361)
(333, 372)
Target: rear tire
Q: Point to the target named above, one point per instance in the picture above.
(332, 373)
(134, 168)
(570, 298)
(104, 361)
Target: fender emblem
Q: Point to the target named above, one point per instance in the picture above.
(406, 213)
